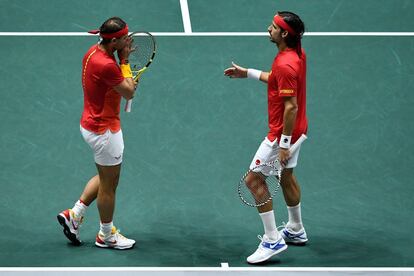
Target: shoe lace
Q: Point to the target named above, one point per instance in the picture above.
(77, 220)
(262, 238)
(117, 232)
(279, 227)
(283, 226)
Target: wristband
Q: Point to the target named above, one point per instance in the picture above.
(253, 74)
(126, 70)
(285, 141)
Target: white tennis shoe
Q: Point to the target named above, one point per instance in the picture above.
(115, 240)
(70, 225)
(297, 238)
(266, 250)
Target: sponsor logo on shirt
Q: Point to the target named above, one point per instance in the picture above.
(286, 91)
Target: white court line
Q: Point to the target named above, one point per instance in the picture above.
(214, 34)
(298, 269)
(225, 265)
(186, 16)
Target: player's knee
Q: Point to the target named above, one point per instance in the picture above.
(256, 183)
(108, 185)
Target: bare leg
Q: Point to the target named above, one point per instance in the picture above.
(91, 191)
(257, 186)
(108, 182)
(290, 186)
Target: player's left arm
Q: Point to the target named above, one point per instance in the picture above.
(289, 115)
(289, 119)
(287, 82)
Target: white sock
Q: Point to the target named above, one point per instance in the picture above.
(269, 224)
(106, 229)
(295, 218)
(79, 209)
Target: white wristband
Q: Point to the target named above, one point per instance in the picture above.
(253, 74)
(285, 141)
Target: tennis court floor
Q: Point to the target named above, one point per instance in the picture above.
(193, 132)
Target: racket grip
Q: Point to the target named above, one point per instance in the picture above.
(295, 146)
(128, 106)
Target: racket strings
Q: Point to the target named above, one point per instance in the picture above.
(256, 189)
(144, 50)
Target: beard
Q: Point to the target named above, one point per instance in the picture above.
(273, 41)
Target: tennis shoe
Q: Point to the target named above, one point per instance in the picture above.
(115, 240)
(71, 225)
(297, 238)
(266, 250)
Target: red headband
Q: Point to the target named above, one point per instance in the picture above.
(282, 23)
(117, 34)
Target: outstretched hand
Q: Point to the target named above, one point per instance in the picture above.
(235, 71)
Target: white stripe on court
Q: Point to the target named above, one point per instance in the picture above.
(217, 269)
(206, 271)
(214, 34)
(185, 13)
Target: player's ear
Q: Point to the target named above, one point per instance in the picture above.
(113, 39)
(285, 34)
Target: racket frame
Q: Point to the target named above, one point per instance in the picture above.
(272, 194)
(278, 175)
(136, 74)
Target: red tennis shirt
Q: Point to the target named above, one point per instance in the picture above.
(101, 104)
(287, 79)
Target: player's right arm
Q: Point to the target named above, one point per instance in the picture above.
(126, 88)
(237, 71)
(264, 77)
(113, 77)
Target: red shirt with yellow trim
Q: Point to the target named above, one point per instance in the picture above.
(100, 73)
(287, 79)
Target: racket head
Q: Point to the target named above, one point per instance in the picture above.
(141, 58)
(259, 185)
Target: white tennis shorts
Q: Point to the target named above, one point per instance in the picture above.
(108, 148)
(267, 152)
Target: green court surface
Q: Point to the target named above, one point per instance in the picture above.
(192, 134)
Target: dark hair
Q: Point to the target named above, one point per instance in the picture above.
(111, 25)
(294, 21)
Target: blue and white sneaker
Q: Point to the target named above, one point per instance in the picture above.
(297, 238)
(266, 250)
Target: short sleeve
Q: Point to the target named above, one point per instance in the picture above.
(112, 75)
(287, 81)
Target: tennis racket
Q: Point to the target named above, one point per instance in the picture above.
(141, 58)
(260, 184)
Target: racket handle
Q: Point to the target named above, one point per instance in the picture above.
(295, 146)
(128, 106)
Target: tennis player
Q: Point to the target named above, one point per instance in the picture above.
(104, 83)
(286, 92)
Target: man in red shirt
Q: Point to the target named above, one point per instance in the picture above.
(286, 93)
(104, 83)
